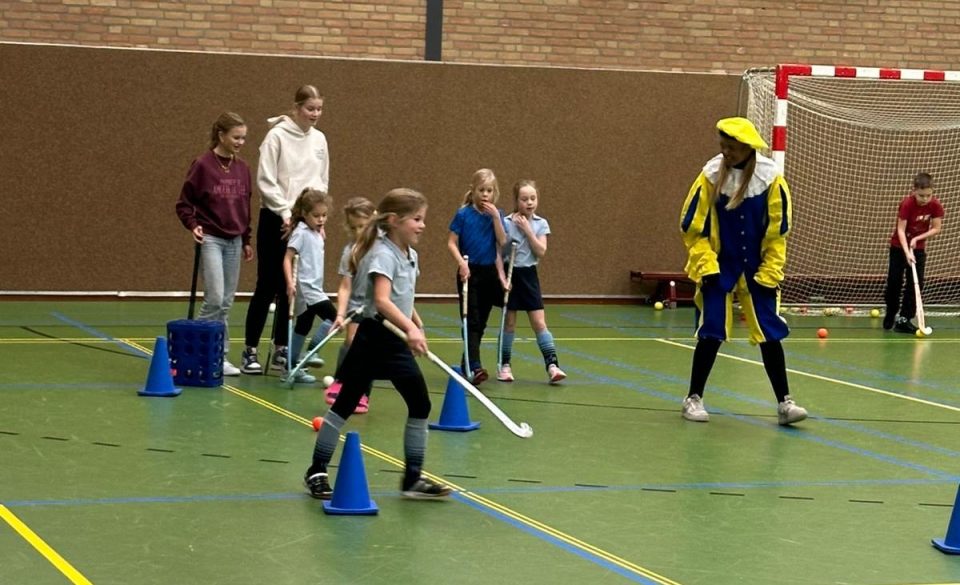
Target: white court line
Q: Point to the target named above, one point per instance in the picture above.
(826, 379)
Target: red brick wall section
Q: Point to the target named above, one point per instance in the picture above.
(677, 35)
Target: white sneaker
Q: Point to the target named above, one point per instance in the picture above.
(693, 409)
(301, 377)
(230, 369)
(505, 374)
(555, 374)
(788, 412)
(315, 361)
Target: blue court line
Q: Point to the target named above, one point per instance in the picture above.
(99, 334)
(743, 418)
(595, 559)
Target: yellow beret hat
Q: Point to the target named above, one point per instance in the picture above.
(742, 130)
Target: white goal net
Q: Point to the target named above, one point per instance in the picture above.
(853, 147)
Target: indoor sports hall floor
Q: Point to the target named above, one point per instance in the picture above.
(98, 485)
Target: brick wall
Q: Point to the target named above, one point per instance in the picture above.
(678, 35)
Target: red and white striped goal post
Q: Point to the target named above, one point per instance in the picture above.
(784, 72)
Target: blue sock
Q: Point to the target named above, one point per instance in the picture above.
(296, 346)
(547, 347)
(507, 354)
(322, 332)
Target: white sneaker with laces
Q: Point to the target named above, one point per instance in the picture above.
(693, 409)
(555, 374)
(230, 369)
(505, 374)
(301, 377)
(788, 412)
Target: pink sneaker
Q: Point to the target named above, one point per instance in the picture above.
(364, 405)
(332, 392)
(555, 373)
(505, 374)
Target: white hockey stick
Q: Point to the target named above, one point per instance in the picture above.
(921, 322)
(503, 313)
(466, 341)
(522, 430)
(330, 334)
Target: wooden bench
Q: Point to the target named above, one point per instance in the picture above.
(684, 287)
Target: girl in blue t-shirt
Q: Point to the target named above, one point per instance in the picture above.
(477, 233)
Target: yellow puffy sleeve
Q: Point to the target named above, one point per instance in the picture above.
(773, 248)
(699, 229)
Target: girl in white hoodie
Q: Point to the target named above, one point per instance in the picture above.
(293, 156)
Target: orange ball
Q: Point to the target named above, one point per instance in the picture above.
(822, 333)
(317, 421)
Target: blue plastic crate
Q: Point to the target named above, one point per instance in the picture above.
(196, 352)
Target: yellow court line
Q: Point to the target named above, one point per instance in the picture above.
(828, 379)
(535, 524)
(43, 548)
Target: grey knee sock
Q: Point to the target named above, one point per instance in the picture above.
(327, 439)
(414, 447)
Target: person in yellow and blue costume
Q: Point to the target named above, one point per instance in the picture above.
(735, 223)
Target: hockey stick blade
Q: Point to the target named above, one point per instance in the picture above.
(523, 430)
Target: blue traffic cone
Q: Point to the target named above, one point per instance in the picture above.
(950, 543)
(159, 380)
(351, 496)
(454, 416)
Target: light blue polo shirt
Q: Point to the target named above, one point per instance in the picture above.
(309, 245)
(525, 255)
(356, 299)
(402, 269)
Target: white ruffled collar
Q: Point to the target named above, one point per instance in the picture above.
(764, 174)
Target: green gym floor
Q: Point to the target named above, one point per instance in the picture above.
(99, 485)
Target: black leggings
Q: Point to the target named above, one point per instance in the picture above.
(483, 293)
(895, 272)
(271, 284)
(324, 309)
(378, 354)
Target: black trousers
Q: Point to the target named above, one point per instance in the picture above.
(483, 293)
(271, 284)
(895, 277)
(324, 309)
(378, 354)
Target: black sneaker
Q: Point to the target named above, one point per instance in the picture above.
(424, 489)
(279, 361)
(319, 486)
(888, 321)
(249, 363)
(905, 326)
(480, 376)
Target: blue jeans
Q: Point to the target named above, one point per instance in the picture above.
(220, 263)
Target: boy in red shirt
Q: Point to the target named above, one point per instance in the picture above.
(920, 218)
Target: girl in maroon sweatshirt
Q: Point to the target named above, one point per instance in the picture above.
(214, 205)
